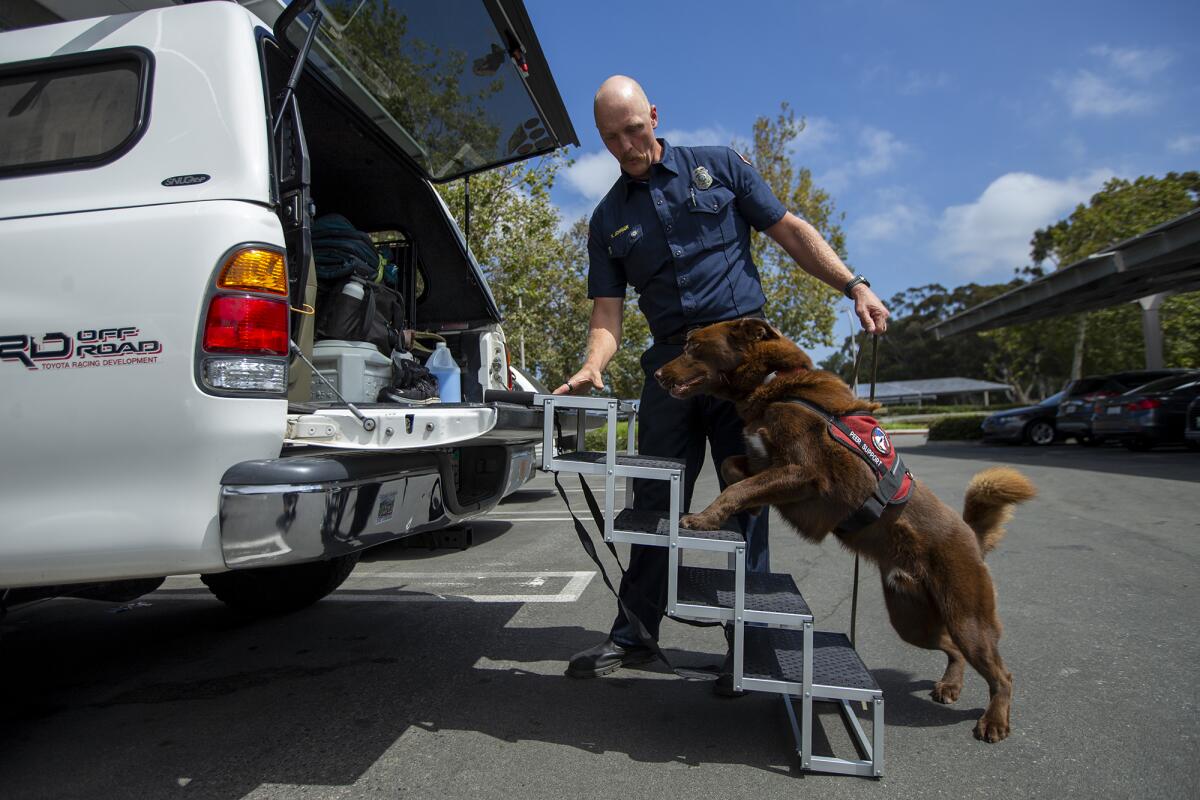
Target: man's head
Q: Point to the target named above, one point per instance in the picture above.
(626, 122)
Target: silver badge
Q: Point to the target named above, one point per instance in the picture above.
(701, 178)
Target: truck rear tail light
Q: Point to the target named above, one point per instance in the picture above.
(245, 374)
(1145, 404)
(508, 366)
(246, 325)
(255, 269)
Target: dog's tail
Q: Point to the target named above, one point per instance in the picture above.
(989, 503)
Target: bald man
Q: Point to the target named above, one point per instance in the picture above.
(676, 227)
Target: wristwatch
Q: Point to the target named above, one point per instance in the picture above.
(855, 281)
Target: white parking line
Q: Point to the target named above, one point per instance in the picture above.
(426, 587)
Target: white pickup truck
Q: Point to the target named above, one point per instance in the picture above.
(158, 183)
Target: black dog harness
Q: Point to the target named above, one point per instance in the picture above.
(863, 436)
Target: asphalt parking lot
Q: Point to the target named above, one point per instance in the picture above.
(439, 673)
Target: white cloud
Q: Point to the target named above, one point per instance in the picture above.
(918, 82)
(910, 82)
(993, 233)
(593, 174)
(878, 151)
(699, 137)
(818, 132)
(1088, 94)
(901, 215)
(1186, 144)
(1140, 64)
(897, 222)
(1108, 92)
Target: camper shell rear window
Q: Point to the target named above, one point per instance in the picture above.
(74, 111)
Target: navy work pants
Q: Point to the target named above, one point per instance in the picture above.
(679, 429)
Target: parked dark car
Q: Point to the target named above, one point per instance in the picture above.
(1148, 415)
(1074, 416)
(1033, 424)
(1191, 434)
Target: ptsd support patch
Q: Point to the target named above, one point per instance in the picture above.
(880, 440)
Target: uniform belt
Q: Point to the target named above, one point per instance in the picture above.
(680, 336)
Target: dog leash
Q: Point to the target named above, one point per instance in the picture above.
(589, 547)
(874, 374)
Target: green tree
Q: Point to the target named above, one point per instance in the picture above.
(1111, 338)
(910, 351)
(538, 276)
(797, 303)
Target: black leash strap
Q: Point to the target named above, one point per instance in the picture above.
(589, 547)
(874, 374)
(598, 518)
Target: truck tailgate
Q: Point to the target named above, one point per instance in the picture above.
(413, 427)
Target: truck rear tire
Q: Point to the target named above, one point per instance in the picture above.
(279, 590)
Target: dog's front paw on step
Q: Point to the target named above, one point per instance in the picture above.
(698, 522)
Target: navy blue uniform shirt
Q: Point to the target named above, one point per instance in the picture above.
(682, 240)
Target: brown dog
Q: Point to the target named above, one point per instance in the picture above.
(938, 591)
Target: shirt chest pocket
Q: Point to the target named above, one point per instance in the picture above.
(711, 213)
(634, 257)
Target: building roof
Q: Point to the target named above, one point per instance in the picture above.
(1163, 259)
(928, 388)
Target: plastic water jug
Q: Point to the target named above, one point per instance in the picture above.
(444, 368)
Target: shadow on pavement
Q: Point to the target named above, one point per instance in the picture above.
(1175, 464)
(135, 702)
(907, 702)
(422, 546)
(528, 496)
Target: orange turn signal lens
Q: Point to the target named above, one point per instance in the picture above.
(256, 270)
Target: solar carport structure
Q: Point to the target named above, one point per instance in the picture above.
(1147, 269)
(933, 389)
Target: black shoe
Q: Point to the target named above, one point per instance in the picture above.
(606, 657)
(411, 384)
(723, 685)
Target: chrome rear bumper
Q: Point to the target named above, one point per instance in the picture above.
(288, 510)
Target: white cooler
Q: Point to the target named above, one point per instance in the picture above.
(358, 369)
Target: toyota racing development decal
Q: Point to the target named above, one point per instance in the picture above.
(105, 347)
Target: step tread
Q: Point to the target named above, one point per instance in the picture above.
(623, 459)
(777, 654)
(774, 592)
(630, 519)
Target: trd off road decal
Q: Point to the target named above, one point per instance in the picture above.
(103, 347)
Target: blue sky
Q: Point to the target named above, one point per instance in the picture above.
(947, 132)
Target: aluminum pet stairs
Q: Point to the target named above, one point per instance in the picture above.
(775, 648)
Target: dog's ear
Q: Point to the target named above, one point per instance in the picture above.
(755, 330)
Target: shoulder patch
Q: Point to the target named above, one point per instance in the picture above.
(618, 231)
